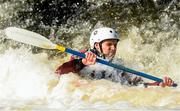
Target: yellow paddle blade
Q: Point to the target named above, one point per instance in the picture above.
(28, 37)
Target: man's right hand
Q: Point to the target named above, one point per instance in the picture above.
(90, 59)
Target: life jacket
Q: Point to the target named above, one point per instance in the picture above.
(100, 71)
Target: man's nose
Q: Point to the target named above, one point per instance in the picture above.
(113, 47)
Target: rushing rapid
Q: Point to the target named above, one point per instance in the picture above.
(149, 43)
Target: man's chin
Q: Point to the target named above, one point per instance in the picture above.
(110, 57)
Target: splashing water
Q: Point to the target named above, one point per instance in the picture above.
(28, 81)
(152, 58)
(20, 78)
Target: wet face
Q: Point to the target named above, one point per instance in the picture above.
(108, 48)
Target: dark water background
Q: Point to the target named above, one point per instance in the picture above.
(149, 31)
(64, 18)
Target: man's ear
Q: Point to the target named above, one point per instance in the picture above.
(96, 45)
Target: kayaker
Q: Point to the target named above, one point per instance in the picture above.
(103, 42)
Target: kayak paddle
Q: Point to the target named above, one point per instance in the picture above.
(32, 38)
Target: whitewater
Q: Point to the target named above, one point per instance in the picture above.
(149, 42)
(28, 81)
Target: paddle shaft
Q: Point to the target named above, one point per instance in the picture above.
(68, 50)
(82, 55)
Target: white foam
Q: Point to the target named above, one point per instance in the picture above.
(23, 75)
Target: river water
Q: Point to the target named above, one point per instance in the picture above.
(149, 43)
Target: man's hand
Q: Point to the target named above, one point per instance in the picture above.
(90, 58)
(166, 82)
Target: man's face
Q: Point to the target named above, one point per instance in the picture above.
(108, 48)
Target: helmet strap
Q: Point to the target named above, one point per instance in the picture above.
(101, 50)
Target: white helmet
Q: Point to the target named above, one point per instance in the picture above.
(101, 34)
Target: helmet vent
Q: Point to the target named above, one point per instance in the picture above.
(111, 31)
(95, 32)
